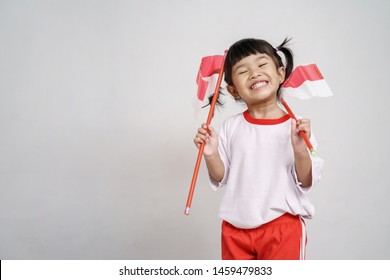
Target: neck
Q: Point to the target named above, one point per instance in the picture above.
(266, 110)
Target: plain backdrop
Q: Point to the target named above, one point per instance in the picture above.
(98, 112)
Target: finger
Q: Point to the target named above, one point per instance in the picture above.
(306, 130)
(303, 122)
(198, 141)
(201, 137)
(202, 131)
(207, 128)
(304, 125)
(211, 131)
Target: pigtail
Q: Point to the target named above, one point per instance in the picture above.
(219, 103)
(288, 55)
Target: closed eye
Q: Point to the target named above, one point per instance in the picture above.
(261, 65)
(242, 72)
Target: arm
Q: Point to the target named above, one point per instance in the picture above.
(303, 165)
(211, 155)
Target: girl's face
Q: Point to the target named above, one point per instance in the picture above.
(256, 79)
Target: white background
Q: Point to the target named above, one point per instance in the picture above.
(98, 113)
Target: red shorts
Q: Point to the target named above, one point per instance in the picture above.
(281, 239)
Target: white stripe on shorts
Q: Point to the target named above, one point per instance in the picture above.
(303, 241)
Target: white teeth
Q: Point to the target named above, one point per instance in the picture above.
(259, 84)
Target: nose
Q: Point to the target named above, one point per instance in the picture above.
(255, 72)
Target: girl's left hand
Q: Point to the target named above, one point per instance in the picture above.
(297, 141)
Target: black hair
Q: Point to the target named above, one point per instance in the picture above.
(210, 99)
(247, 47)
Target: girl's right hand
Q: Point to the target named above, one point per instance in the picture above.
(207, 136)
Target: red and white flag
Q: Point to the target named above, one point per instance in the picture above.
(305, 82)
(208, 75)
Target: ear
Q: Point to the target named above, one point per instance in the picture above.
(232, 90)
(281, 74)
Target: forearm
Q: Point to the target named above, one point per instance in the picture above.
(215, 167)
(303, 168)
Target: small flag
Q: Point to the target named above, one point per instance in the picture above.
(305, 82)
(208, 75)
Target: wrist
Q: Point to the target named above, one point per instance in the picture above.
(212, 157)
(303, 154)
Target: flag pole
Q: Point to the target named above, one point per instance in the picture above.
(302, 133)
(201, 147)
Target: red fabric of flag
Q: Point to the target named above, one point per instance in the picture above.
(305, 82)
(208, 74)
(303, 73)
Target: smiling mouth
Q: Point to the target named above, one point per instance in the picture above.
(258, 85)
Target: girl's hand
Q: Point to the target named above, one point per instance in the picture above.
(297, 141)
(208, 136)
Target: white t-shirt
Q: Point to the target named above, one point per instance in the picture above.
(260, 181)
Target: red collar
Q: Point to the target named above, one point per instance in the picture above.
(249, 119)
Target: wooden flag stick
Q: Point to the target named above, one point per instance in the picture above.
(201, 147)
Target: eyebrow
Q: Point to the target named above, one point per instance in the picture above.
(243, 64)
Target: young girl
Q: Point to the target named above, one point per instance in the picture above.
(260, 159)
